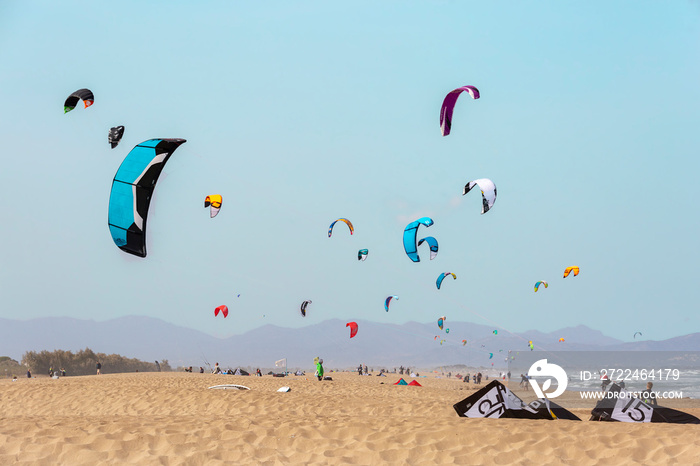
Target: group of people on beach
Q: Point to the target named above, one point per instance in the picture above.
(475, 378)
(189, 369)
(57, 372)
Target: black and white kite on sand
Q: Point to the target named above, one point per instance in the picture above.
(496, 401)
(623, 406)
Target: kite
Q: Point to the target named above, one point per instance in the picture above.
(303, 307)
(353, 328)
(629, 407)
(330, 228)
(115, 135)
(436, 337)
(464, 342)
(537, 285)
(637, 333)
(442, 276)
(448, 106)
(490, 355)
(495, 332)
(531, 345)
(568, 270)
(447, 330)
(442, 341)
(72, 100)
(386, 303)
(496, 401)
(362, 254)
(441, 321)
(409, 237)
(132, 190)
(488, 192)
(222, 309)
(432, 242)
(561, 340)
(214, 202)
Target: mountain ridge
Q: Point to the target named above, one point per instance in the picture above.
(412, 344)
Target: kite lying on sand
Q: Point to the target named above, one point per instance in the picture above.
(496, 401)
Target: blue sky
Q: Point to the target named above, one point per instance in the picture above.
(299, 113)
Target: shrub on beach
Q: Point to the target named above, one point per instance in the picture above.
(10, 367)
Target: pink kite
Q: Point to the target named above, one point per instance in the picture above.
(448, 106)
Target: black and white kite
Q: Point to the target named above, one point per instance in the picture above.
(115, 135)
(496, 401)
(623, 406)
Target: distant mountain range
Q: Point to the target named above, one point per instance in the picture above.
(376, 344)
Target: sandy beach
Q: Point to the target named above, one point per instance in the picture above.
(173, 418)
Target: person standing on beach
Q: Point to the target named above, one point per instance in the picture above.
(319, 369)
(648, 396)
(99, 368)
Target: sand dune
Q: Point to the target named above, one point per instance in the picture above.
(173, 418)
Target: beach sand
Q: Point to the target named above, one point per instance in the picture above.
(173, 418)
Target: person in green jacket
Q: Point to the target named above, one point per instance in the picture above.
(319, 369)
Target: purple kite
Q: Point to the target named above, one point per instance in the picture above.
(448, 106)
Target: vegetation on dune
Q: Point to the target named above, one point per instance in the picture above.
(84, 362)
(10, 367)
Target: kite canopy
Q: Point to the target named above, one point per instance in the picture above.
(441, 322)
(214, 202)
(432, 242)
(448, 106)
(495, 332)
(221, 309)
(488, 192)
(464, 342)
(410, 234)
(561, 340)
(401, 381)
(303, 307)
(496, 401)
(387, 301)
(115, 135)
(637, 333)
(72, 100)
(414, 383)
(353, 328)
(442, 276)
(349, 224)
(132, 190)
(537, 285)
(568, 270)
(626, 407)
(531, 345)
(362, 254)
